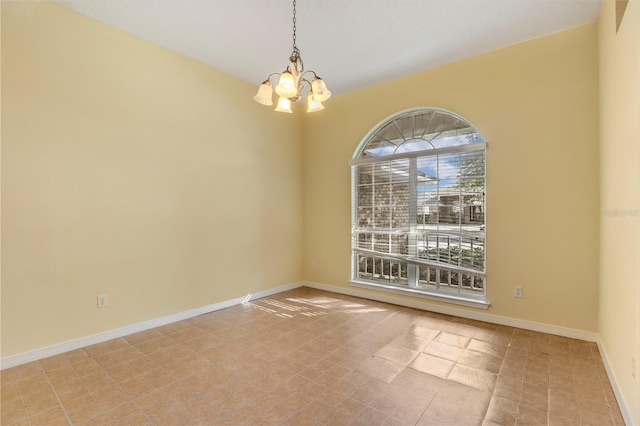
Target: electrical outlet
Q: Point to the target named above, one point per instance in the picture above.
(314, 264)
(633, 367)
(102, 301)
(517, 291)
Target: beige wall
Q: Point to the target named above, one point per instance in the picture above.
(131, 171)
(536, 103)
(619, 323)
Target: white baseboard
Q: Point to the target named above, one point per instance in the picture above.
(614, 384)
(58, 348)
(450, 310)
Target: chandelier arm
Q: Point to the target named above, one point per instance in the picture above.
(298, 95)
(271, 75)
(304, 80)
(308, 72)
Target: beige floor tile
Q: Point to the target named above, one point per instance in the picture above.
(453, 339)
(446, 411)
(278, 414)
(381, 369)
(397, 354)
(175, 417)
(567, 410)
(127, 410)
(488, 348)
(432, 365)
(246, 416)
(301, 420)
(461, 329)
(410, 341)
(53, 416)
(476, 402)
(12, 405)
(520, 342)
(312, 357)
(481, 361)
(384, 403)
(418, 384)
(84, 412)
(531, 416)
(16, 415)
(555, 420)
(595, 407)
(338, 418)
(562, 382)
(442, 350)
(503, 404)
(478, 379)
(317, 409)
(40, 401)
(408, 414)
(484, 334)
(496, 416)
(512, 373)
(9, 390)
(32, 384)
(424, 332)
(54, 362)
(27, 370)
(519, 353)
(536, 377)
(350, 407)
(369, 417)
(591, 419)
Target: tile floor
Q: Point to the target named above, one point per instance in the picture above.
(307, 357)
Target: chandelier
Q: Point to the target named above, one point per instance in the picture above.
(291, 83)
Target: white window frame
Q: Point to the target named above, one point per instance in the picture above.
(408, 284)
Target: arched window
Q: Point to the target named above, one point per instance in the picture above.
(418, 207)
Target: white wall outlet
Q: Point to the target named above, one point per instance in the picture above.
(103, 302)
(633, 367)
(517, 291)
(314, 264)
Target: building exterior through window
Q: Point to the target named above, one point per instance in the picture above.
(418, 207)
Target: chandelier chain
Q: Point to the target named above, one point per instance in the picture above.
(296, 51)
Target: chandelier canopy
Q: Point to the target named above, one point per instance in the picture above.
(291, 83)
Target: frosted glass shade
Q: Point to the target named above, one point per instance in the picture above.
(284, 105)
(287, 85)
(264, 95)
(313, 105)
(320, 91)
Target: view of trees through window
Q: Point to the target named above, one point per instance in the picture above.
(419, 205)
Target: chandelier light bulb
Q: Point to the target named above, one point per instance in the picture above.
(284, 105)
(287, 85)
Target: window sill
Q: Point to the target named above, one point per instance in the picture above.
(409, 291)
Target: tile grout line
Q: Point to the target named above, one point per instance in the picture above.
(64, 410)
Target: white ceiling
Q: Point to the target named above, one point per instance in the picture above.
(349, 43)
